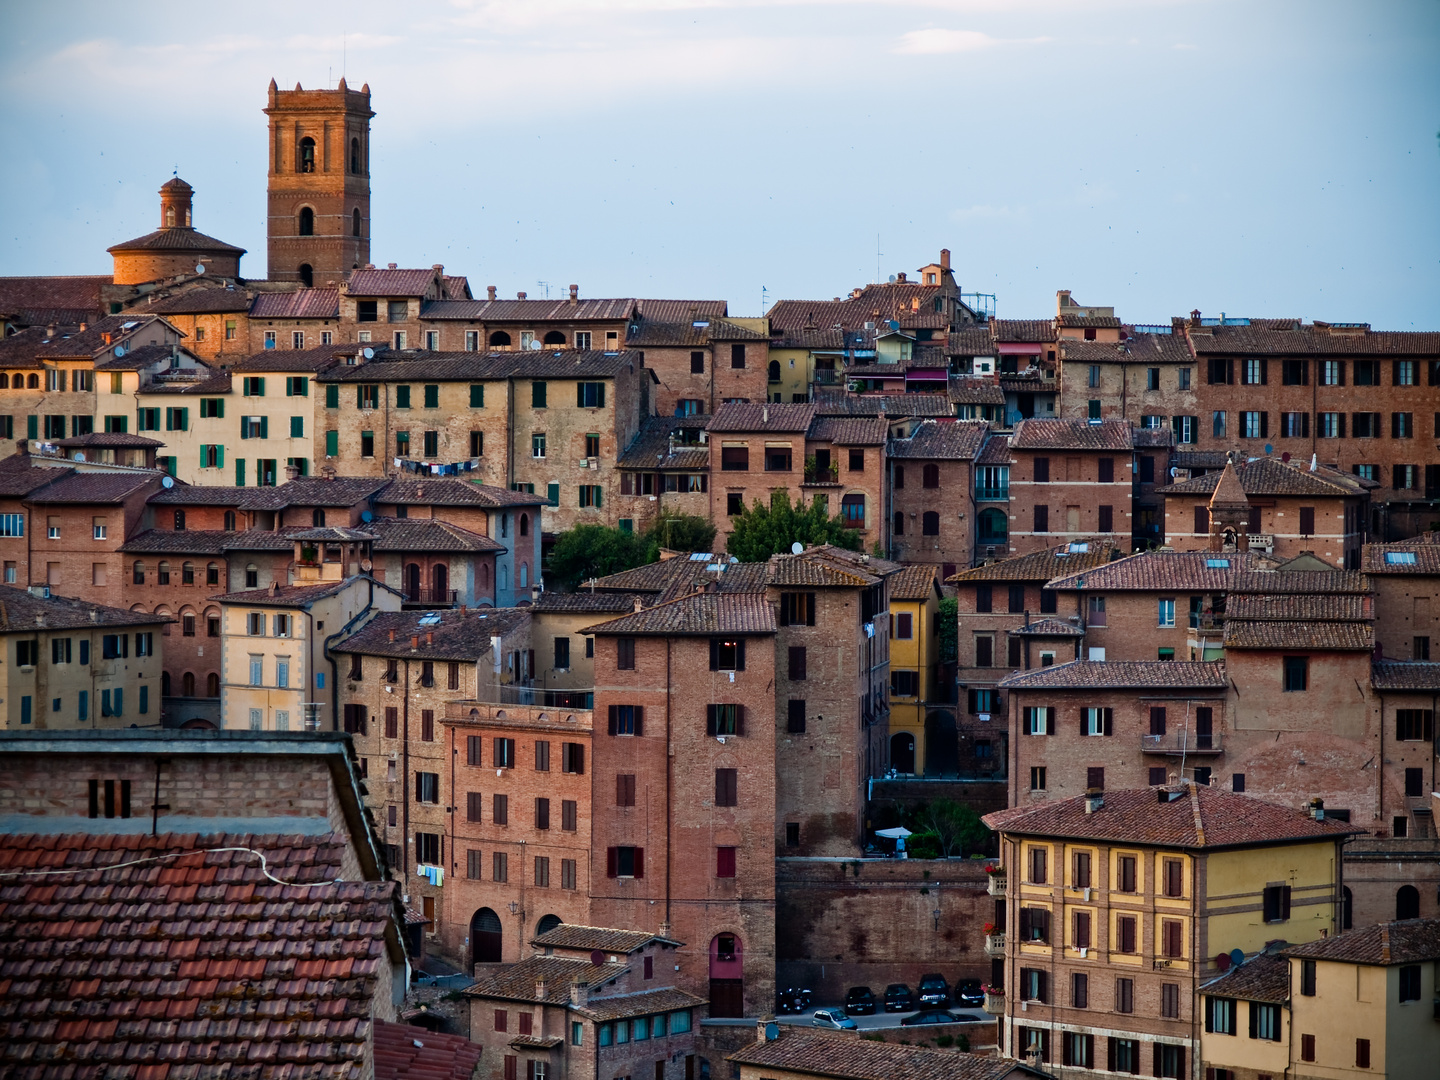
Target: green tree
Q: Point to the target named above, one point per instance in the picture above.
(678, 532)
(949, 635)
(952, 827)
(762, 531)
(588, 551)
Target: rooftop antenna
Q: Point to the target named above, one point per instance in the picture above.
(877, 258)
(546, 286)
(764, 292)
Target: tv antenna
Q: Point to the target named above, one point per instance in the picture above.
(546, 286)
(764, 292)
(877, 258)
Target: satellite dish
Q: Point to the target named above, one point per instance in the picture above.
(796, 548)
(368, 353)
(1269, 449)
(597, 958)
(167, 482)
(1222, 961)
(366, 516)
(1173, 471)
(535, 345)
(79, 455)
(119, 351)
(199, 268)
(366, 566)
(1285, 456)
(1237, 956)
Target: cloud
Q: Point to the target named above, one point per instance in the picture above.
(936, 41)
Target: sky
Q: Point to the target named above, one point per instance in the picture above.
(1256, 157)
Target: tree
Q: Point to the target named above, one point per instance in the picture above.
(953, 827)
(949, 636)
(762, 531)
(678, 532)
(588, 551)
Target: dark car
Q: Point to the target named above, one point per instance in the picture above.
(931, 1016)
(860, 1001)
(898, 998)
(934, 992)
(969, 992)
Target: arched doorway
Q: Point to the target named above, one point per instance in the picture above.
(500, 340)
(412, 582)
(1407, 902)
(942, 744)
(902, 752)
(994, 527)
(485, 937)
(439, 584)
(727, 978)
(546, 924)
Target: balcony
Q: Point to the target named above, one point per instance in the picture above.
(513, 694)
(992, 494)
(995, 885)
(1181, 742)
(995, 944)
(823, 476)
(994, 1001)
(1208, 620)
(431, 598)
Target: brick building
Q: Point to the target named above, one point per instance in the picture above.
(1069, 479)
(1116, 904)
(665, 469)
(1406, 580)
(931, 484)
(176, 248)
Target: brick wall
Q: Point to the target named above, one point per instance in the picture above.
(953, 546)
(1073, 497)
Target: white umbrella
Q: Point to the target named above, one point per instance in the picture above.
(897, 833)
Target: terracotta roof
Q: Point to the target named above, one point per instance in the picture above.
(848, 1057)
(588, 602)
(1071, 435)
(970, 390)
(652, 448)
(837, 401)
(597, 939)
(95, 487)
(427, 534)
(286, 595)
(404, 1052)
(1135, 349)
(1153, 437)
(1271, 476)
(449, 491)
(19, 476)
(697, 614)
(146, 356)
(1099, 321)
(1122, 675)
(661, 999)
(880, 370)
(1410, 557)
(1276, 582)
(996, 450)
(217, 383)
(300, 304)
(1150, 571)
(111, 440)
(849, 431)
(260, 540)
(90, 342)
(825, 565)
(370, 282)
(177, 238)
(1315, 607)
(680, 310)
(1302, 340)
(1405, 675)
(1326, 637)
(154, 967)
(657, 576)
(19, 610)
(527, 311)
(320, 358)
(1047, 628)
(958, 440)
(1265, 977)
(1200, 459)
(330, 534)
(1022, 330)
(518, 981)
(1228, 489)
(796, 337)
(1038, 565)
(75, 295)
(971, 341)
(1200, 817)
(177, 542)
(762, 418)
(204, 301)
(1409, 941)
(453, 634)
(914, 583)
(197, 495)
(340, 491)
(415, 365)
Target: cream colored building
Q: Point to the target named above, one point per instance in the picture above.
(72, 665)
(276, 672)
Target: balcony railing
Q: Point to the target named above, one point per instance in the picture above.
(995, 944)
(1207, 620)
(534, 695)
(1181, 742)
(992, 494)
(995, 885)
(823, 476)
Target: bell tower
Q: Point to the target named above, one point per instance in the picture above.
(319, 186)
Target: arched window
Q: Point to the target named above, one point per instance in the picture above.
(504, 526)
(165, 684)
(774, 375)
(139, 573)
(1347, 908)
(1407, 902)
(317, 517)
(187, 684)
(899, 526)
(485, 937)
(355, 222)
(307, 275)
(439, 584)
(229, 520)
(504, 577)
(355, 161)
(307, 155)
(179, 520)
(33, 382)
(932, 475)
(852, 511)
(170, 217)
(307, 221)
(554, 337)
(187, 573)
(930, 523)
(4, 381)
(485, 575)
(994, 527)
(524, 524)
(252, 576)
(524, 574)
(727, 979)
(546, 924)
(500, 340)
(164, 575)
(212, 685)
(902, 752)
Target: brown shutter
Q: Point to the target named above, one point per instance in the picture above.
(612, 720)
(1202, 520)
(639, 863)
(612, 862)
(739, 719)
(639, 722)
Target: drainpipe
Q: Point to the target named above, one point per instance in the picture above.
(668, 766)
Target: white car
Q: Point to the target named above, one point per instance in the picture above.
(832, 1018)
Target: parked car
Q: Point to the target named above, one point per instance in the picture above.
(898, 998)
(832, 1018)
(969, 992)
(860, 1001)
(931, 1016)
(934, 992)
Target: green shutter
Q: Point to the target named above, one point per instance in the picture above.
(32, 427)
(598, 491)
(204, 447)
(552, 492)
(402, 397)
(432, 396)
(303, 385)
(260, 386)
(477, 395)
(264, 427)
(219, 455)
(239, 472)
(297, 427)
(359, 395)
(332, 444)
(600, 402)
(332, 396)
(184, 412)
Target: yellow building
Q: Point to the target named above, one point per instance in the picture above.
(72, 665)
(1116, 905)
(1360, 1004)
(276, 671)
(914, 663)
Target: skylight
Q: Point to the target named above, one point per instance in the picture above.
(1400, 558)
(1079, 549)
(432, 619)
(1217, 564)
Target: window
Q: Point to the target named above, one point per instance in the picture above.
(1276, 903)
(1331, 425)
(1080, 931)
(1254, 425)
(1125, 874)
(568, 814)
(795, 716)
(1409, 982)
(1042, 519)
(624, 789)
(625, 862)
(1307, 979)
(1037, 778)
(1097, 721)
(504, 750)
(726, 790)
(1296, 670)
(1039, 720)
(1170, 1000)
(1365, 425)
(737, 356)
(1171, 938)
(1039, 861)
(1295, 425)
(1174, 871)
(427, 787)
(590, 495)
(1186, 428)
(1402, 425)
(1362, 1053)
(542, 881)
(499, 866)
(797, 609)
(1167, 612)
(572, 757)
(727, 655)
(1413, 725)
(590, 395)
(724, 720)
(1033, 983)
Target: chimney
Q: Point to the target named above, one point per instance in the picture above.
(574, 295)
(489, 292)
(1094, 800)
(392, 633)
(22, 447)
(414, 642)
(579, 994)
(639, 604)
(389, 266)
(944, 258)
(519, 296)
(274, 588)
(84, 326)
(429, 637)
(1195, 317)
(540, 988)
(765, 414)
(900, 278)
(766, 1030)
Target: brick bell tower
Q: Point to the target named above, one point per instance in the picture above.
(319, 188)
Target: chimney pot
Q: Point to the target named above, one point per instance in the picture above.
(429, 637)
(944, 258)
(579, 993)
(519, 296)
(389, 266)
(414, 642)
(639, 604)
(900, 278)
(574, 294)
(490, 292)
(392, 633)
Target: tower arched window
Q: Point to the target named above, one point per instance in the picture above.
(554, 337)
(317, 517)
(355, 160)
(307, 275)
(169, 217)
(499, 338)
(355, 222)
(307, 221)
(307, 155)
